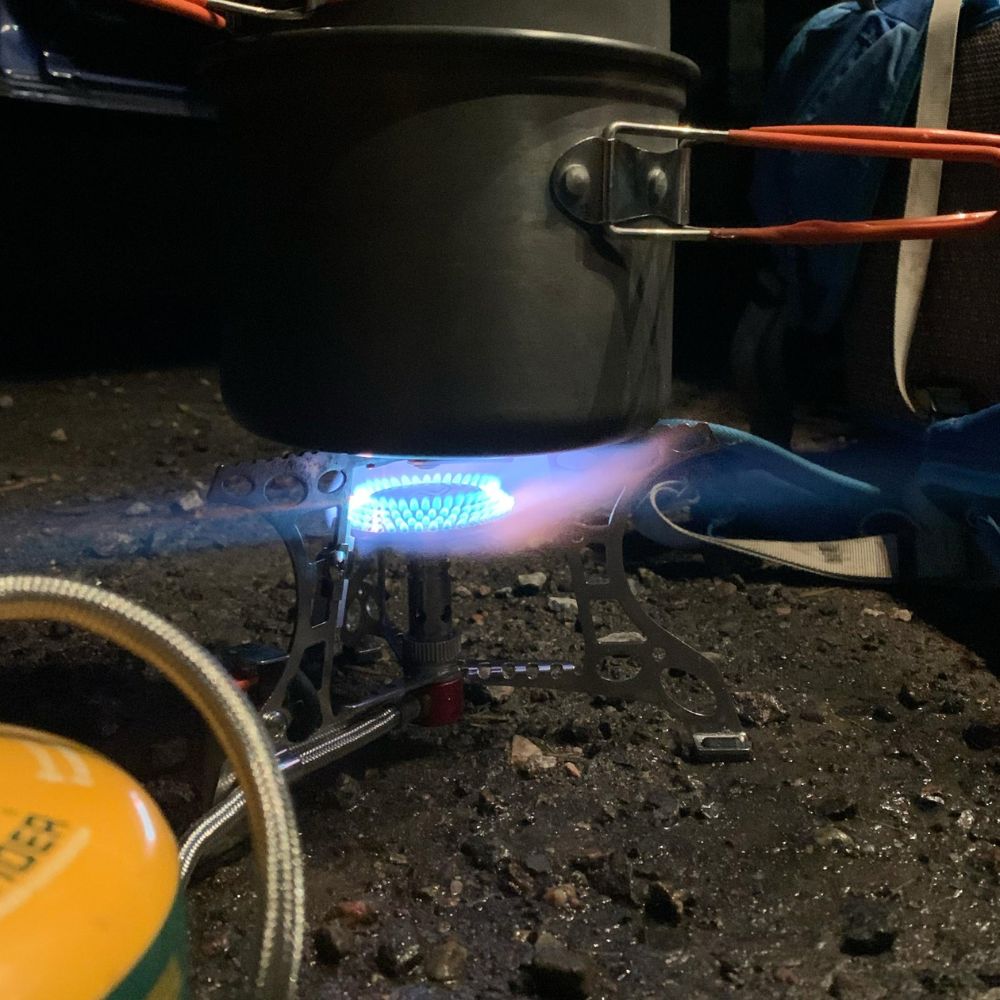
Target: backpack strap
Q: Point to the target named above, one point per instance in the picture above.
(924, 184)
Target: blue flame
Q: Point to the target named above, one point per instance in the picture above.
(430, 501)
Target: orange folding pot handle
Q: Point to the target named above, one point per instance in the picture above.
(608, 180)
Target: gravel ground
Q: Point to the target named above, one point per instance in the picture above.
(857, 856)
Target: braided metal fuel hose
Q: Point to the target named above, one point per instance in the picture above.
(233, 722)
(295, 762)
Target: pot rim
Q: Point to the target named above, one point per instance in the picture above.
(597, 53)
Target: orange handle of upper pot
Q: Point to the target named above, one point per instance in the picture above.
(870, 140)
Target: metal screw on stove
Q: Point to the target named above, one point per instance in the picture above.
(276, 724)
(575, 181)
(657, 186)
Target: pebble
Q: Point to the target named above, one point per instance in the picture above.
(460, 590)
(488, 803)
(445, 962)
(572, 770)
(485, 853)
(138, 509)
(560, 973)
(59, 436)
(664, 903)
(398, 951)
(333, 942)
(563, 897)
(6, 402)
(837, 807)
(537, 864)
(867, 928)
(759, 708)
(783, 610)
(616, 637)
(982, 736)
(499, 693)
(833, 838)
(530, 584)
(187, 502)
(813, 711)
(564, 608)
(528, 757)
(614, 879)
(110, 544)
(355, 912)
(930, 798)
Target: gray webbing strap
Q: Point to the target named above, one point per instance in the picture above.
(925, 180)
(873, 557)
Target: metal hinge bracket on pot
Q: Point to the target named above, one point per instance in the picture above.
(607, 181)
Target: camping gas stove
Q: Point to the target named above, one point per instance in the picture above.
(344, 518)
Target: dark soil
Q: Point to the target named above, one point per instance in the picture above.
(857, 856)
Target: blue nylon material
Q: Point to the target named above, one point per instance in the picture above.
(846, 66)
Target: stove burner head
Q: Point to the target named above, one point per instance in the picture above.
(438, 501)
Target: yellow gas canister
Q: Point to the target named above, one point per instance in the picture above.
(90, 904)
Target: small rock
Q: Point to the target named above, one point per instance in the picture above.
(572, 770)
(930, 798)
(783, 610)
(901, 615)
(187, 502)
(355, 912)
(455, 887)
(759, 708)
(965, 821)
(560, 973)
(849, 985)
(460, 590)
(6, 402)
(530, 584)
(499, 693)
(564, 608)
(562, 897)
(837, 807)
(138, 509)
(873, 613)
(833, 838)
(882, 713)
(445, 962)
(982, 736)
(109, 544)
(503, 592)
(485, 853)
(516, 879)
(398, 951)
(59, 436)
(664, 904)
(615, 637)
(482, 590)
(910, 699)
(487, 804)
(867, 928)
(614, 879)
(528, 757)
(537, 864)
(812, 711)
(333, 942)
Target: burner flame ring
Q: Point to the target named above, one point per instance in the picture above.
(439, 501)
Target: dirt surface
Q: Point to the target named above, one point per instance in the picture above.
(857, 856)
